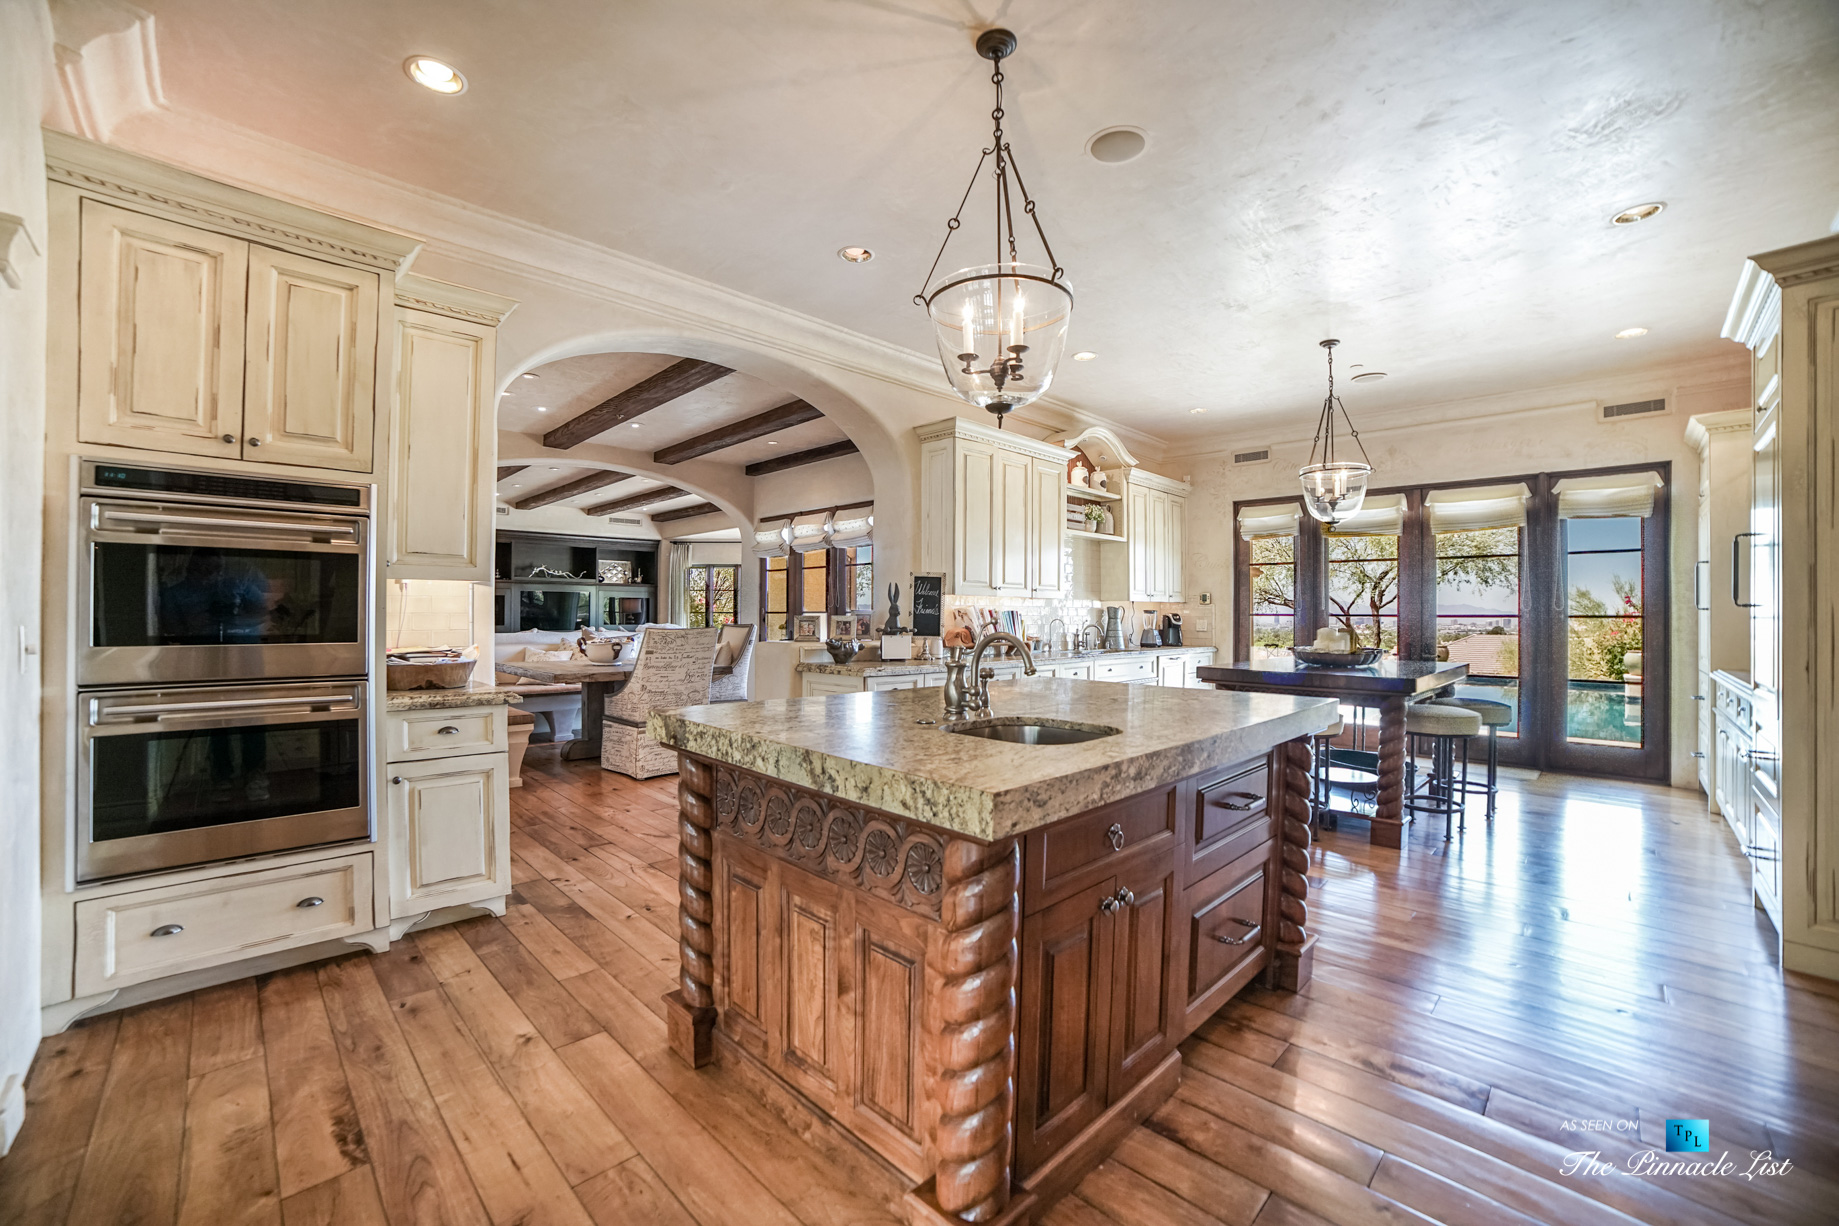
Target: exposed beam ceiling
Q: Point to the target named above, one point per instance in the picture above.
(663, 387)
(796, 459)
(581, 485)
(510, 470)
(785, 416)
(661, 494)
(689, 512)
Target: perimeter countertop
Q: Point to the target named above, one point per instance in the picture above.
(873, 748)
(892, 668)
(473, 694)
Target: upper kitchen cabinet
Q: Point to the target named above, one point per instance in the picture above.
(210, 321)
(443, 451)
(992, 510)
(1155, 516)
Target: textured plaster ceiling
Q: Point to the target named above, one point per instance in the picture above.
(1431, 181)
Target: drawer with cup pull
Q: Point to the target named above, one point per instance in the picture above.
(168, 930)
(412, 736)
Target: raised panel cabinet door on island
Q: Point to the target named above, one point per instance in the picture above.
(1064, 1039)
(310, 362)
(160, 334)
(444, 375)
(449, 832)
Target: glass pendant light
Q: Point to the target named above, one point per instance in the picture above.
(1334, 489)
(1000, 327)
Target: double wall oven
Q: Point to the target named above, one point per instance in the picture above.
(223, 641)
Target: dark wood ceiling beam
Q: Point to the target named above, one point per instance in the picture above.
(796, 459)
(773, 420)
(691, 512)
(510, 470)
(635, 501)
(581, 485)
(673, 381)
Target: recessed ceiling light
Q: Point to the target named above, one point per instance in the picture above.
(439, 77)
(1084, 355)
(771, 443)
(555, 470)
(1121, 144)
(856, 255)
(529, 375)
(1196, 412)
(1641, 212)
(1369, 376)
(1629, 334)
(542, 408)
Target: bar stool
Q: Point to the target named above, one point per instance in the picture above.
(1321, 746)
(1438, 726)
(1494, 717)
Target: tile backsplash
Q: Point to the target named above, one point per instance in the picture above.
(429, 613)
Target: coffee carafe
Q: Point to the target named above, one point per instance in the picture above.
(1114, 628)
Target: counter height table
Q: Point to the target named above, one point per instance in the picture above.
(598, 682)
(1389, 686)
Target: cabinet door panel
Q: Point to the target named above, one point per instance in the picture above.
(160, 332)
(810, 1044)
(449, 832)
(1066, 953)
(1140, 1003)
(977, 520)
(1047, 533)
(1178, 526)
(1013, 558)
(443, 397)
(310, 383)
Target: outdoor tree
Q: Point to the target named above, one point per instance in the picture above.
(1603, 633)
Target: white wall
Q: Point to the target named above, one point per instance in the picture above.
(570, 520)
(25, 47)
(1539, 430)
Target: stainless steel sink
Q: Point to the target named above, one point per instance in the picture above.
(1020, 730)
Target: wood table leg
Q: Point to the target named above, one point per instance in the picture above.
(690, 1010)
(972, 971)
(586, 747)
(1388, 828)
(1293, 956)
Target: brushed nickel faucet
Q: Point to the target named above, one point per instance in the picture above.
(979, 685)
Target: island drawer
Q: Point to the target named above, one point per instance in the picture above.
(1062, 859)
(1226, 940)
(1231, 817)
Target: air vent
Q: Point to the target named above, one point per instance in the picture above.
(502, 510)
(1633, 408)
(1260, 456)
(630, 523)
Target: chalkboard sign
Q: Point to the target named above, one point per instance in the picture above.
(928, 601)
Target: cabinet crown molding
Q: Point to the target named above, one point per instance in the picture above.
(151, 186)
(1700, 427)
(420, 293)
(959, 427)
(1802, 262)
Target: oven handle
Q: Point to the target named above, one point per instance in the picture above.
(164, 709)
(347, 531)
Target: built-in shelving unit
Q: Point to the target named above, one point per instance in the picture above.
(1095, 536)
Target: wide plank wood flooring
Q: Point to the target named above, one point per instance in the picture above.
(1591, 957)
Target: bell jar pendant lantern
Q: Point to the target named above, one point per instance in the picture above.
(1334, 489)
(1001, 326)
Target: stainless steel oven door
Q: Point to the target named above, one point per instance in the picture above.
(176, 592)
(174, 777)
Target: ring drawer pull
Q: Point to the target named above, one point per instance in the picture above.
(1114, 834)
(1251, 798)
(168, 930)
(448, 730)
(310, 902)
(1247, 939)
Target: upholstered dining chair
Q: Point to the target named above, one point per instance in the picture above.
(673, 669)
(734, 649)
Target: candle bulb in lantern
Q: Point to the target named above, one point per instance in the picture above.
(970, 331)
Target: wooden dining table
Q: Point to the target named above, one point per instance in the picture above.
(598, 682)
(1388, 686)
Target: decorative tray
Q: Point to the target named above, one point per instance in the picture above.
(1336, 659)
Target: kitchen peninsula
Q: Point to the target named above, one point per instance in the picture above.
(978, 955)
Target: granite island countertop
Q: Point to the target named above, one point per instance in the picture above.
(472, 694)
(886, 750)
(1042, 659)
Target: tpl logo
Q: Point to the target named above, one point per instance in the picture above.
(1688, 1136)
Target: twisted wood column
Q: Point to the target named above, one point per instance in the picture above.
(1389, 803)
(1294, 952)
(690, 1010)
(974, 964)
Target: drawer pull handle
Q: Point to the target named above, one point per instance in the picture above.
(395, 778)
(229, 438)
(1114, 834)
(1124, 896)
(448, 730)
(168, 930)
(310, 902)
(1251, 798)
(1108, 905)
(1247, 939)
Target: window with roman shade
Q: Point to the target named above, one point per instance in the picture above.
(1271, 533)
(1621, 495)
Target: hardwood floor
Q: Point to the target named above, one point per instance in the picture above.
(1591, 957)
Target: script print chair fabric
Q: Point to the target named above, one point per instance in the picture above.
(672, 670)
(736, 643)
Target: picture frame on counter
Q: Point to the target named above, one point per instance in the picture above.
(862, 628)
(809, 627)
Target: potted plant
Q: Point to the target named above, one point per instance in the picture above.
(1095, 515)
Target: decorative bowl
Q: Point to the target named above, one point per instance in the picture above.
(1336, 659)
(452, 675)
(842, 650)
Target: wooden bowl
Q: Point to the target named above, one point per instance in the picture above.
(449, 676)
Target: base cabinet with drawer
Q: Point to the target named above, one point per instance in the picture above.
(448, 801)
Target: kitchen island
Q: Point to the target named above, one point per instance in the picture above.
(976, 955)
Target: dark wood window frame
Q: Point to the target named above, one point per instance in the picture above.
(838, 598)
(1543, 613)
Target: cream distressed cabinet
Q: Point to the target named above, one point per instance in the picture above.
(203, 343)
(992, 510)
(442, 454)
(1148, 568)
(449, 804)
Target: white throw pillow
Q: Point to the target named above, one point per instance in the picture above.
(724, 655)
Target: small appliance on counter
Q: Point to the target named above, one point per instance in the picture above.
(1149, 636)
(1171, 630)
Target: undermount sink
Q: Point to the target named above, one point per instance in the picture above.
(1020, 730)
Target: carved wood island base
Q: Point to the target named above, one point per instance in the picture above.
(989, 1015)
